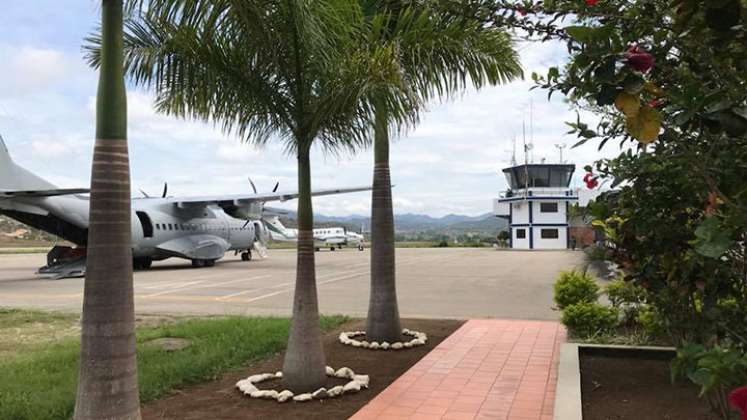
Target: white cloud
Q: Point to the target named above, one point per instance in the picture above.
(450, 163)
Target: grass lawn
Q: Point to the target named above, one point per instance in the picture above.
(38, 373)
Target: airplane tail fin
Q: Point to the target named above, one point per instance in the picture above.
(15, 178)
(278, 232)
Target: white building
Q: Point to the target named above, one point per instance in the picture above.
(536, 205)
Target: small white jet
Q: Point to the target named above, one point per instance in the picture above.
(199, 229)
(332, 238)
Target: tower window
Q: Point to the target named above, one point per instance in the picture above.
(549, 233)
(521, 233)
(548, 207)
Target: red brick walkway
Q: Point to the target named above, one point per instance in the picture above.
(487, 369)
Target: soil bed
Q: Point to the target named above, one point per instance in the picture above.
(636, 386)
(220, 399)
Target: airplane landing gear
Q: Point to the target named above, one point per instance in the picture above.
(246, 256)
(142, 263)
(202, 263)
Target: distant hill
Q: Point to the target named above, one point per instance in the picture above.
(408, 223)
(408, 226)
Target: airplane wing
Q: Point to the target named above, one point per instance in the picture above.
(237, 199)
(43, 193)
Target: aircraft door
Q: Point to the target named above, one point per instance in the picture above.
(145, 223)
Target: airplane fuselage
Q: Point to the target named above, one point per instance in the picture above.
(160, 229)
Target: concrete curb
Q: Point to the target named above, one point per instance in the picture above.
(568, 392)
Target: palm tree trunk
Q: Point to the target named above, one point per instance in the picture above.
(383, 314)
(304, 364)
(107, 380)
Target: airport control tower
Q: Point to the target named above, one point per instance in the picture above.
(536, 205)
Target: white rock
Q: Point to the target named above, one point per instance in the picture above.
(319, 393)
(302, 397)
(345, 373)
(343, 336)
(260, 377)
(247, 388)
(385, 345)
(362, 380)
(356, 343)
(351, 387)
(405, 331)
(374, 345)
(240, 383)
(265, 394)
(418, 342)
(278, 374)
(397, 346)
(335, 391)
(365, 344)
(407, 344)
(284, 396)
(329, 371)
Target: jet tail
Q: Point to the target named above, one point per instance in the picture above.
(15, 178)
(278, 232)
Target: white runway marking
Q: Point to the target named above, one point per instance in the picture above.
(179, 289)
(280, 292)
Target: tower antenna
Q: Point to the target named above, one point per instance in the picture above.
(560, 147)
(531, 129)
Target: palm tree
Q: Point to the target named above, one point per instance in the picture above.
(440, 54)
(291, 70)
(107, 380)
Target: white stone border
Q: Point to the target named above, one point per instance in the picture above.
(356, 383)
(420, 338)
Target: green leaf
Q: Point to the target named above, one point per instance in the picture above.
(581, 34)
(711, 240)
(606, 95)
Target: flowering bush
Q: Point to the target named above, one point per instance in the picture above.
(666, 81)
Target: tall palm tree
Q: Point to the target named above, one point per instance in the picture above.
(440, 54)
(292, 70)
(107, 380)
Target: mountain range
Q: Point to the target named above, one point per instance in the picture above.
(486, 223)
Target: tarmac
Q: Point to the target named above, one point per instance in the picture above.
(459, 283)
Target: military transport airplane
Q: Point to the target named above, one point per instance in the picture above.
(332, 237)
(200, 229)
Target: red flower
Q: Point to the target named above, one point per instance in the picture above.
(590, 180)
(738, 399)
(655, 103)
(591, 2)
(522, 11)
(639, 59)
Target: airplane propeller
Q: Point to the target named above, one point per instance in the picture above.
(163, 195)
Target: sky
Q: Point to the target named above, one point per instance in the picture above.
(449, 164)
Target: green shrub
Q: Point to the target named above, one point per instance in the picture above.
(621, 292)
(627, 297)
(586, 319)
(651, 321)
(575, 287)
(596, 253)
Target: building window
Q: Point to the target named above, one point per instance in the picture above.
(170, 227)
(521, 233)
(548, 207)
(549, 234)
